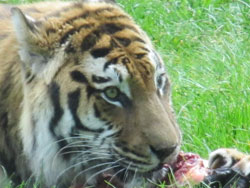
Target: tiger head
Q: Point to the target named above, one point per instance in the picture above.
(96, 95)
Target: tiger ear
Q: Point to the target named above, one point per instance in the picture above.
(27, 33)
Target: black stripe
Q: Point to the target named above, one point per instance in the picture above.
(135, 162)
(50, 31)
(137, 39)
(90, 40)
(87, 14)
(125, 149)
(70, 48)
(97, 112)
(29, 77)
(83, 15)
(140, 55)
(115, 17)
(100, 52)
(91, 91)
(108, 9)
(109, 28)
(100, 79)
(114, 44)
(124, 100)
(110, 62)
(73, 31)
(54, 92)
(66, 35)
(73, 103)
(123, 41)
(78, 77)
(66, 151)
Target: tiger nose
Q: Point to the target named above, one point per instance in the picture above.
(163, 153)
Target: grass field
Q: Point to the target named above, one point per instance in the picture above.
(206, 48)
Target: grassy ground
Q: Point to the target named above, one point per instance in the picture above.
(206, 48)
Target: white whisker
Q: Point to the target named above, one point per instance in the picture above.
(126, 172)
(134, 176)
(93, 167)
(99, 172)
(113, 176)
(77, 164)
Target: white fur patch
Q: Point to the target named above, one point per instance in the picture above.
(91, 121)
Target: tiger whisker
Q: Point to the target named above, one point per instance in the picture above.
(126, 172)
(93, 167)
(71, 145)
(100, 172)
(92, 152)
(45, 149)
(113, 176)
(81, 154)
(134, 176)
(77, 164)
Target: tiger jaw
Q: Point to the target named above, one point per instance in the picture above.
(124, 172)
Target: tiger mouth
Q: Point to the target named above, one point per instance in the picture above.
(122, 179)
(118, 177)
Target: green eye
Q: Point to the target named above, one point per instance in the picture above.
(112, 92)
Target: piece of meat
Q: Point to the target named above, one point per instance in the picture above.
(188, 169)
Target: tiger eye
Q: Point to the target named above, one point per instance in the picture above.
(111, 92)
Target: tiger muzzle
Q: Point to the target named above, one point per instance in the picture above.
(153, 132)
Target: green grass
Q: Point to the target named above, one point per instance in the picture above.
(206, 48)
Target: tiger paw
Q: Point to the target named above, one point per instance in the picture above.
(224, 157)
(230, 168)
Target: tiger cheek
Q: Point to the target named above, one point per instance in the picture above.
(108, 112)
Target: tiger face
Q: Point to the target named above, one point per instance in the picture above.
(96, 96)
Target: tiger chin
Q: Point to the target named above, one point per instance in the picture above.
(83, 92)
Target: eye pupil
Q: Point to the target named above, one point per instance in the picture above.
(111, 92)
(159, 82)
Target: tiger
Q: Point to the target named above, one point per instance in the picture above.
(83, 92)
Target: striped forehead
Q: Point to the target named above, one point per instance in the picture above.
(97, 31)
(81, 27)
